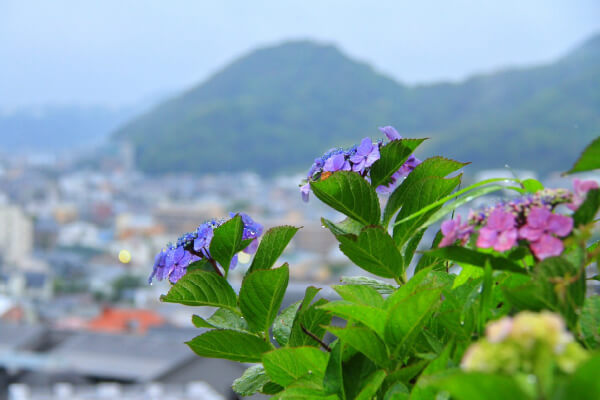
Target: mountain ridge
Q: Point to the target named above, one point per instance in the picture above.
(277, 108)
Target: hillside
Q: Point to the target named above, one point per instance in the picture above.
(279, 107)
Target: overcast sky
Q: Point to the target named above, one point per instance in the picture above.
(118, 52)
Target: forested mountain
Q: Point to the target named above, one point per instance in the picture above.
(277, 108)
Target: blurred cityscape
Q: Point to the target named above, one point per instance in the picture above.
(77, 244)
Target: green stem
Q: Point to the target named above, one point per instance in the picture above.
(452, 196)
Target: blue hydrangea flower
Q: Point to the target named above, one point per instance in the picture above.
(358, 159)
(366, 154)
(171, 263)
(252, 230)
(390, 132)
(337, 162)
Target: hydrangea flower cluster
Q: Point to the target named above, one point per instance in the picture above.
(358, 158)
(530, 218)
(514, 344)
(172, 262)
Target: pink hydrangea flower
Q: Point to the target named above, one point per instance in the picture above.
(581, 189)
(499, 232)
(453, 231)
(541, 225)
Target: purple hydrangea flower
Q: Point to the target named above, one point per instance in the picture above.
(580, 192)
(390, 132)
(453, 231)
(366, 154)
(541, 225)
(499, 232)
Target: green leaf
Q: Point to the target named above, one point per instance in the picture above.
(532, 185)
(261, 295)
(588, 210)
(434, 166)
(412, 245)
(524, 294)
(371, 385)
(584, 383)
(590, 322)
(422, 391)
(229, 344)
(200, 265)
(429, 191)
(407, 317)
(271, 388)
(201, 288)
(333, 381)
(478, 386)
(365, 341)
(589, 160)
(392, 157)
(438, 203)
(359, 294)
(467, 198)
(398, 391)
(562, 286)
(426, 279)
(348, 225)
(200, 322)
(312, 318)
(380, 286)
(304, 393)
(271, 246)
(468, 272)
(252, 381)
(350, 194)
(222, 319)
(287, 364)
(461, 254)
(485, 301)
(227, 241)
(407, 374)
(429, 261)
(356, 369)
(282, 328)
(371, 317)
(374, 251)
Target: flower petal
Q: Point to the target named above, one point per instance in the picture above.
(506, 240)
(530, 233)
(538, 217)
(547, 246)
(390, 132)
(560, 225)
(487, 238)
